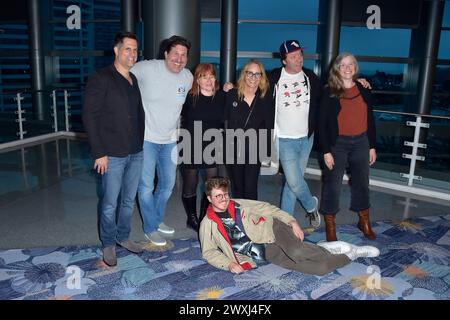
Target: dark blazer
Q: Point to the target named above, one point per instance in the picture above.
(315, 92)
(328, 119)
(106, 118)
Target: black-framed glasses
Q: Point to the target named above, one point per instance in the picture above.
(222, 196)
(250, 74)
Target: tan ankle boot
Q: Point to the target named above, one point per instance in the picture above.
(330, 227)
(364, 224)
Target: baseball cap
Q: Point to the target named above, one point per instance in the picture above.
(289, 46)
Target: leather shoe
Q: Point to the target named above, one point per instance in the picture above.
(109, 256)
(131, 246)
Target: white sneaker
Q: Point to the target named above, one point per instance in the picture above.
(165, 229)
(155, 238)
(367, 252)
(363, 252)
(314, 216)
(336, 247)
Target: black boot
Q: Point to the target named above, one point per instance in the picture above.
(190, 206)
(203, 207)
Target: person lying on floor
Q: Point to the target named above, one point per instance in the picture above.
(235, 234)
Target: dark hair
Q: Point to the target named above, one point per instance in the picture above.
(284, 55)
(216, 183)
(118, 39)
(174, 41)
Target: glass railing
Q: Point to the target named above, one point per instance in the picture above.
(62, 112)
(413, 149)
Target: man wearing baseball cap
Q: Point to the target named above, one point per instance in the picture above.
(296, 92)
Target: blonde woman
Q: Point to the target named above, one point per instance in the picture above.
(248, 107)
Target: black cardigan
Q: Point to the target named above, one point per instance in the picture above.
(328, 119)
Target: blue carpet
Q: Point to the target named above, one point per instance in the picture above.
(414, 264)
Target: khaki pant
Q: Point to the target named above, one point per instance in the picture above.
(291, 253)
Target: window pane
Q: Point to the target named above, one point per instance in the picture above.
(306, 10)
(444, 45)
(377, 42)
(440, 104)
(268, 37)
(210, 36)
(92, 35)
(446, 18)
(383, 76)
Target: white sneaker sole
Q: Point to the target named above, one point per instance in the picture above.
(155, 243)
(165, 231)
(367, 252)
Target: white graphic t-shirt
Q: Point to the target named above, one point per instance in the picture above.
(293, 105)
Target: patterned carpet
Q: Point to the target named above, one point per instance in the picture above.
(414, 264)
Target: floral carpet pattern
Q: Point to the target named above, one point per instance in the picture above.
(413, 264)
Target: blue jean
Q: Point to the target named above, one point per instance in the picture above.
(350, 153)
(121, 178)
(153, 204)
(294, 154)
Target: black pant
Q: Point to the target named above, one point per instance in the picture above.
(190, 179)
(244, 180)
(349, 153)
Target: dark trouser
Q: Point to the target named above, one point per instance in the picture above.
(244, 180)
(190, 179)
(291, 253)
(351, 153)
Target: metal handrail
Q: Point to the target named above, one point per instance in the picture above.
(50, 90)
(412, 114)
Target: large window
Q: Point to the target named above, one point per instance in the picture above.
(377, 42)
(441, 84)
(262, 26)
(69, 55)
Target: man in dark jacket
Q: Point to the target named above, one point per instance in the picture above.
(114, 120)
(296, 92)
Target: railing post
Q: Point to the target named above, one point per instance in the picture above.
(24, 168)
(20, 119)
(415, 145)
(69, 158)
(66, 109)
(55, 113)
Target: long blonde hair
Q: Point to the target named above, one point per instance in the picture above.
(263, 83)
(334, 79)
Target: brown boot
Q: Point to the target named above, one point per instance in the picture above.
(330, 227)
(364, 224)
